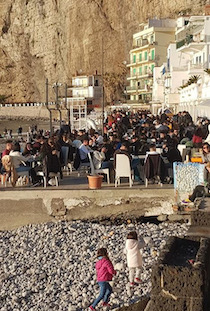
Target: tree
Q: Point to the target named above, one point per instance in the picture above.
(3, 99)
(114, 84)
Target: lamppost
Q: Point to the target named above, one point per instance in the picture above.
(66, 104)
(56, 85)
(102, 74)
(47, 104)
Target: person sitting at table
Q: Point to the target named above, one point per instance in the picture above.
(8, 148)
(49, 159)
(18, 162)
(28, 150)
(135, 145)
(206, 153)
(84, 149)
(134, 162)
(201, 190)
(99, 157)
(197, 138)
(170, 155)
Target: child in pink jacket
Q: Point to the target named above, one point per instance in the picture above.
(105, 272)
(134, 258)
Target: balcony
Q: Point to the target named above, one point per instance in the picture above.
(130, 89)
(197, 68)
(139, 89)
(145, 74)
(190, 42)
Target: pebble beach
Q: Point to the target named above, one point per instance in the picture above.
(52, 266)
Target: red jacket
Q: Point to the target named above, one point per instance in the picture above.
(197, 139)
(104, 270)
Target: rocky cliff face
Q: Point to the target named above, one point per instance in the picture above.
(55, 38)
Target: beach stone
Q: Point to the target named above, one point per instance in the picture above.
(53, 264)
(57, 207)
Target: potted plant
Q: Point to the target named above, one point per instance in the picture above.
(95, 181)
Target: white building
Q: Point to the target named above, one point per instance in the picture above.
(193, 39)
(168, 78)
(86, 94)
(148, 51)
(87, 88)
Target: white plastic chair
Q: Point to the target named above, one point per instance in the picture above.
(98, 171)
(51, 175)
(181, 148)
(123, 169)
(21, 178)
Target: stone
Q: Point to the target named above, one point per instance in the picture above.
(59, 263)
(57, 207)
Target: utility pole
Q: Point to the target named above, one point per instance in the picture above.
(68, 110)
(47, 104)
(56, 85)
(102, 73)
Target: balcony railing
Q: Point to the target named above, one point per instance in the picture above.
(140, 88)
(142, 74)
(189, 39)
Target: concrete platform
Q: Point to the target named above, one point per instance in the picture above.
(73, 200)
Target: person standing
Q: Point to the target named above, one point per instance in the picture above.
(105, 272)
(134, 258)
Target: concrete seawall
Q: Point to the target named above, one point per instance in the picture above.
(21, 207)
(27, 111)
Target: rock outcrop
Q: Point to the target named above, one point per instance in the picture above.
(56, 38)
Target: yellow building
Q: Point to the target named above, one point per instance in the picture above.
(149, 50)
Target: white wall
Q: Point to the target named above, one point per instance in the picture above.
(158, 85)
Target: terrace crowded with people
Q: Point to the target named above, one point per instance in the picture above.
(152, 144)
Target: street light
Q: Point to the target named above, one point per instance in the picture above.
(47, 104)
(56, 85)
(102, 74)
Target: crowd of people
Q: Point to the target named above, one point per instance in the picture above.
(132, 134)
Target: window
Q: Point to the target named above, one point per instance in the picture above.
(134, 71)
(140, 57)
(134, 58)
(152, 67)
(153, 54)
(145, 55)
(199, 59)
(140, 70)
(145, 69)
(151, 39)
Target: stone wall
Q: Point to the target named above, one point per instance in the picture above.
(54, 38)
(176, 283)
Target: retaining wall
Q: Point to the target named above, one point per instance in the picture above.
(201, 217)
(182, 286)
